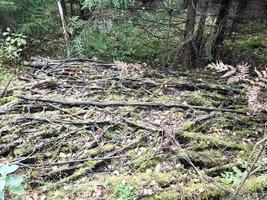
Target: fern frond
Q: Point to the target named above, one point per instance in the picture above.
(219, 66)
(254, 86)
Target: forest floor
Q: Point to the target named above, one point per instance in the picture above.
(90, 130)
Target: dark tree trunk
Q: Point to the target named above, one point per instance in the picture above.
(201, 27)
(64, 8)
(71, 8)
(188, 49)
(82, 14)
(239, 14)
(221, 21)
(190, 18)
(7, 22)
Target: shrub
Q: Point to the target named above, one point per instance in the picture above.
(11, 47)
(252, 44)
(124, 42)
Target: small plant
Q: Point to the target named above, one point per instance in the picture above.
(75, 25)
(123, 192)
(12, 46)
(10, 183)
(252, 43)
(233, 178)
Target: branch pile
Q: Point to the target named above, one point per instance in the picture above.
(77, 121)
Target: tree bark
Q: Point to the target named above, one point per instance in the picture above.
(201, 27)
(221, 22)
(64, 26)
(7, 22)
(64, 8)
(242, 6)
(71, 8)
(188, 49)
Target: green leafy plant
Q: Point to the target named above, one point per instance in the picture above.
(12, 45)
(123, 192)
(118, 41)
(90, 4)
(252, 43)
(10, 183)
(75, 25)
(233, 178)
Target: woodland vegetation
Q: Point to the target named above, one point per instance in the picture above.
(133, 99)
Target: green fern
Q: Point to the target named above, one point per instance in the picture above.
(233, 178)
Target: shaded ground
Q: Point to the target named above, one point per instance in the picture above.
(91, 150)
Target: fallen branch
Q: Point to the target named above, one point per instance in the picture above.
(49, 120)
(133, 104)
(66, 162)
(46, 63)
(181, 86)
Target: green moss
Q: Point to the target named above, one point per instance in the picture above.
(22, 149)
(255, 184)
(191, 191)
(207, 158)
(211, 141)
(146, 160)
(6, 100)
(101, 149)
(198, 100)
(136, 180)
(166, 195)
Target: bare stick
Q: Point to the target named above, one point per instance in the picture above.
(64, 26)
(44, 119)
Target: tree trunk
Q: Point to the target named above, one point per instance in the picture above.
(221, 22)
(7, 22)
(201, 27)
(64, 8)
(242, 6)
(188, 49)
(64, 27)
(82, 14)
(71, 8)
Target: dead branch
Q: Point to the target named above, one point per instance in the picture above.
(132, 104)
(58, 121)
(66, 162)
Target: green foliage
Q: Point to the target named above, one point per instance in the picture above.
(233, 178)
(123, 192)
(12, 46)
(7, 6)
(10, 183)
(31, 16)
(90, 4)
(252, 43)
(76, 25)
(123, 41)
